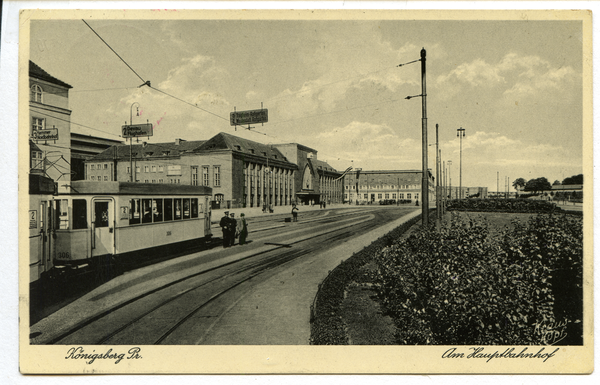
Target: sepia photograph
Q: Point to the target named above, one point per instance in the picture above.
(297, 191)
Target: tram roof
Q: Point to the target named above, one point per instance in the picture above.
(86, 187)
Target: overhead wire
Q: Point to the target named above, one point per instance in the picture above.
(77, 124)
(221, 117)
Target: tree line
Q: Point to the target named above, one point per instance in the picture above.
(542, 184)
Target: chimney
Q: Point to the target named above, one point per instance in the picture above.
(178, 141)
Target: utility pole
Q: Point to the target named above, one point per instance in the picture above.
(460, 132)
(425, 180)
(497, 184)
(438, 209)
(131, 177)
(450, 176)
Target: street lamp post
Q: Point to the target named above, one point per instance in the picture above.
(460, 132)
(425, 172)
(131, 178)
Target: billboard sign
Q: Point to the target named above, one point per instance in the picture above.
(237, 118)
(135, 130)
(46, 134)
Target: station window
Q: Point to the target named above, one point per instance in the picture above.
(92, 167)
(92, 177)
(79, 214)
(153, 168)
(366, 196)
(393, 196)
(134, 211)
(106, 178)
(105, 166)
(217, 170)
(408, 196)
(378, 196)
(387, 196)
(161, 168)
(146, 168)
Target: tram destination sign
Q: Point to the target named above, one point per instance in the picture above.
(135, 130)
(237, 118)
(46, 134)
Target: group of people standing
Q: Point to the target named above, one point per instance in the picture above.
(233, 228)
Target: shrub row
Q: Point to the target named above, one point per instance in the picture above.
(327, 326)
(462, 287)
(503, 205)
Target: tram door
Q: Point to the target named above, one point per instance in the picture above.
(102, 227)
(45, 235)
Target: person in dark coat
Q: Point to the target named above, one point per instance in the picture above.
(295, 213)
(224, 223)
(242, 229)
(232, 229)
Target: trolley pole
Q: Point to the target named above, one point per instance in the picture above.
(438, 207)
(450, 177)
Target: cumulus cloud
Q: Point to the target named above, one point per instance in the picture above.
(520, 75)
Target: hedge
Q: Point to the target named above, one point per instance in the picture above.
(503, 205)
(461, 287)
(327, 326)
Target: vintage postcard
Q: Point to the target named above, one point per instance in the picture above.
(305, 192)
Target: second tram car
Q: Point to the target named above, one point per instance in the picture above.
(98, 223)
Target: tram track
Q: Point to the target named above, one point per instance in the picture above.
(252, 270)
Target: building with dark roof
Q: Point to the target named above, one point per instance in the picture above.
(50, 125)
(241, 172)
(362, 187)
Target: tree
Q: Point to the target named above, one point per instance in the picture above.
(556, 183)
(538, 184)
(519, 183)
(575, 179)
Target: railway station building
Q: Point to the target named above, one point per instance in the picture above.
(373, 187)
(241, 172)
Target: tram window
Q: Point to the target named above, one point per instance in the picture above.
(62, 215)
(177, 209)
(168, 209)
(134, 211)
(101, 214)
(194, 207)
(157, 209)
(186, 208)
(146, 211)
(79, 214)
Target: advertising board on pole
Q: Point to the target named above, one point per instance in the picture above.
(237, 118)
(136, 130)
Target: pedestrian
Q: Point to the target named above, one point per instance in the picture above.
(232, 229)
(295, 213)
(324, 204)
(224, 223)
(242, 229)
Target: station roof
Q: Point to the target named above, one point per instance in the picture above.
(224, 141)
(149, 150)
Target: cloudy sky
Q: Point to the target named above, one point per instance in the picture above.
(514, 86)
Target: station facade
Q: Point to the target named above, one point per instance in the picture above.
(241, 172)
(362, 187)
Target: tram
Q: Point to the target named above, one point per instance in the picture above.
(41, 224)
(100, 223)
